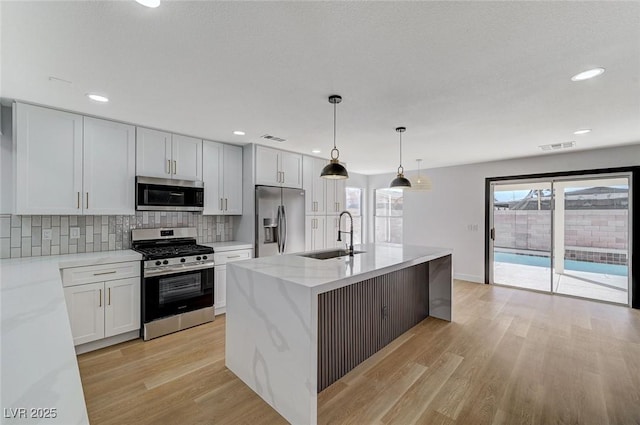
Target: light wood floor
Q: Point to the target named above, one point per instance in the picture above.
(509, 357)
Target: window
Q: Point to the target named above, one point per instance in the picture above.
(354, 206)
(388, 215)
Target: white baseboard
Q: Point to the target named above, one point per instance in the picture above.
(106, 342)
(220, 310)
(469, 277)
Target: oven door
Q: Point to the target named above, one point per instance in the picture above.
(174, 293)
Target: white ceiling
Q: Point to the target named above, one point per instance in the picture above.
(471, 81)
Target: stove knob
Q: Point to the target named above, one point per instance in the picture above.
(204, 257)
(158, 263)
(165, 262)
(198, 258)
(182, 260)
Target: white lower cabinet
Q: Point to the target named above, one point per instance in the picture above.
(86, 312)
(221, 260)
(98, 307)
(332, 233)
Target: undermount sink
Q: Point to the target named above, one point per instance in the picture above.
(326, 255)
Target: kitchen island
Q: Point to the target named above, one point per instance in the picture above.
(297, 324)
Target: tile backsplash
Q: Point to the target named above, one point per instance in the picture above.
(22, 235)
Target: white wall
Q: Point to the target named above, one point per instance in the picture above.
(440, 217)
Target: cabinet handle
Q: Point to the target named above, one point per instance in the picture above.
(100, 274)
(226, 204)
(220, 204)
(78, 206)
(175, 167)
(100, 298)
(234, 256)
(168, 166)
(283, 177)
(109, 296)
(87, 200)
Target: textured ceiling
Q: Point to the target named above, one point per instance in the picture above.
(471, 81)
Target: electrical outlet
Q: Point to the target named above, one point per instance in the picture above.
(219, 228)
(47, 234)
(74, 233)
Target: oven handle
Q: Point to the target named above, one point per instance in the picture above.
(177, 269)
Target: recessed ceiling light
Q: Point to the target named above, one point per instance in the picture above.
(238, 133)
(149, 3)
(98, 97)
(585, 75)
(582, 131)
(316, 151)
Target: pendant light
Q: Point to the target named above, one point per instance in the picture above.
(420, 182)
(334, 170)
(400, 182)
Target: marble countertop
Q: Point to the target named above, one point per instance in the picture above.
(228, 246)
(37, 358)
(325, 275)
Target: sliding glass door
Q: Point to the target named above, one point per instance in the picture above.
(521, 234)
(591, 243)
(565, 235)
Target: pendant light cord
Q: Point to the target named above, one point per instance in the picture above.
(334, 125)
(400, 168)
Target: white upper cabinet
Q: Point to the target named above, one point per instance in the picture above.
(212, 178)
(153, 153)
(278, 168)
(48, 161)
(232, 179)
(65, 167)
(291, 168)
(170, 156)
(186, 157)
(335, 196)
(109, 168)
(222, 176)
(314, 185)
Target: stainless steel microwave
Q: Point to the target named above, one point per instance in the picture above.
(153, 194)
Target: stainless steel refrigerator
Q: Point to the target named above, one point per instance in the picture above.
(279, 221)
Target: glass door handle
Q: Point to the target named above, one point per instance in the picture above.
(493, 234)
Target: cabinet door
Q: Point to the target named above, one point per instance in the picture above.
(187, 158)
(212, 176)
(122, 306)
(220, 288)
(85, 305)
(232, 179)
(267, 167)
(335, 196)
(291, 169)
(308, 180)
(48, 161)
(331, 235)
(319, 186)
(315, 233)
(153, 153)
(340, 195)
(109, 168)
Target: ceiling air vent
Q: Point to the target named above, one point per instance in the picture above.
(557, 146)
(274, 138)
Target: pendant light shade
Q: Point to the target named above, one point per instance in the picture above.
(400, 182)
(420, 181)
(334, 170)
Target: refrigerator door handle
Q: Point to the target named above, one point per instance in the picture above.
(279, 224)
(284, 229)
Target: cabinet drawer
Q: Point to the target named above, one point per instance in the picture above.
(230, 256)
(100, 273)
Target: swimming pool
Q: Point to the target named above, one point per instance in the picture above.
(581, 266)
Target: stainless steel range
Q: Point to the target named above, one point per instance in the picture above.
(177, 280)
